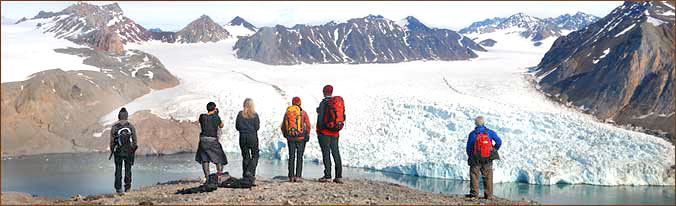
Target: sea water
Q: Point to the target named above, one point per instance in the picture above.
(68, 175)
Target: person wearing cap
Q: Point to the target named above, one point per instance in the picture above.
(328, 141)
(296, 144)
(481, 168)
(123, 145)
(247, 123)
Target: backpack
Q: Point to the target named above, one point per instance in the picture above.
(123, 139)
(334, 114)
(483, 147)
(294, 124)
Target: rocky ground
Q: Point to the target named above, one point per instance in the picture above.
(269, 191)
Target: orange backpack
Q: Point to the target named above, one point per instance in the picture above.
(294, 124)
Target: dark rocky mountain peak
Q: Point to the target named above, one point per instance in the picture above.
(619, 69)
(203, 29)
(239, 21)
(370, 39)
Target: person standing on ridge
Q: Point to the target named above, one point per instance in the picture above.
(123, 145)
(209, 148)
(296, 129)
(247, 123)
(481, 152)
(330, 120)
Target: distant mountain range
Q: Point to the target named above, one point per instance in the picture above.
(532, 28)
(371, 39)
(620, 68)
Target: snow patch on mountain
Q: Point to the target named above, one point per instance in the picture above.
(27, 50)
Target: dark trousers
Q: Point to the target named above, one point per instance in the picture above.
(128, 162)
(486, 171)
(329, 146)
(296, 150)
(250, 154)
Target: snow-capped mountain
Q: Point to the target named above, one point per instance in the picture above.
(80, 20)
(371, 39)
(619, 68)
(573, 22)
(101, 27)
(533, 28)
(240, 27)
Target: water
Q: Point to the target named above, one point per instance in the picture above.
(71, 174)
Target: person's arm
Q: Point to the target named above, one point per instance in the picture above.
(112, 137)
(133, 135)
(498, 141)
(282, 126)
(220, 123)
(308, 125)
(470, 142)
(257, 122)
(237, 120)
(320, 116)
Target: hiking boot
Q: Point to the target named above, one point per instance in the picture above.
(338, 180)
(298, 179)
(292, 179)
(324, 179)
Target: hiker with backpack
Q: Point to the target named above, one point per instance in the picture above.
(330, 120)
(296, 129)
(209, 148)
(247, 123)
(123, 145)
(481, 152)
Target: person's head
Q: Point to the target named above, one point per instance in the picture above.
(122, 115)
(211, 106)
(479, 121)
(249, 109)
(295, 101)
(328, 90)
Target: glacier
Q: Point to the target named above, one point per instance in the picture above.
(414, 117)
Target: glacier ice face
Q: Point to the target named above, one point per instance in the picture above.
(414, 118)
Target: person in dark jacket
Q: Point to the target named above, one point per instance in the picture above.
(476, 167)
(247, 123)
(296, 144)
(328, 141)
(209, 148)
(123, 144)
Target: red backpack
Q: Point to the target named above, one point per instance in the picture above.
(334, 114)
(483, 147)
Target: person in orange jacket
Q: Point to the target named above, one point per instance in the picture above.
(294, 119)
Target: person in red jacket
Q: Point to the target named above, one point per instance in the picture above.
(328, 141)
(297, 144)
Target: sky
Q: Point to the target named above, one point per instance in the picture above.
(172, 16)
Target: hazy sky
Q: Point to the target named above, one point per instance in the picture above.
(454, 14)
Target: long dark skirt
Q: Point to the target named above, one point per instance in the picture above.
(210, 149)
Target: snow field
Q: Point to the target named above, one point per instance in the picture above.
(27, 50)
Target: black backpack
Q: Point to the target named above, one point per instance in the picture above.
(123, 139)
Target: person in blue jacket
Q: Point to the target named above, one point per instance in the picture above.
(481, 166)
